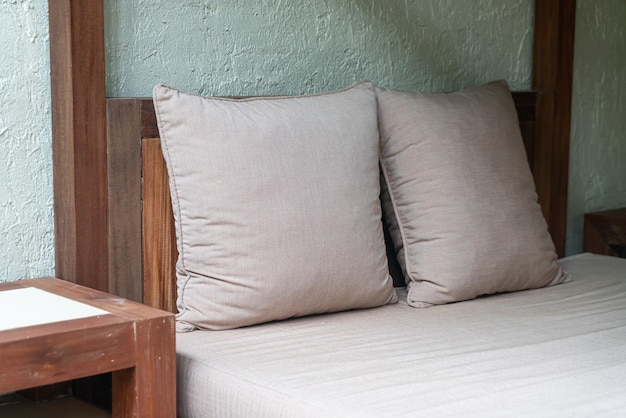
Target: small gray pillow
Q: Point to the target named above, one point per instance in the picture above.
(276, 205)
(461, 200)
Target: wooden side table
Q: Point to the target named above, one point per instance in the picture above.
(605, 232)
(134, 341)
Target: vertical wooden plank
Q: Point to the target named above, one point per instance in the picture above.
(552, 79)
(159, 237)
(79, 140)
(124, 197)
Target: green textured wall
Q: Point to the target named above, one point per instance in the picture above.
(257, 47)
(597, 179)
(26, 204)
(246, 47)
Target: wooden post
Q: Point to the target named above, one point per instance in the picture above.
(552, 79)
(79, 141)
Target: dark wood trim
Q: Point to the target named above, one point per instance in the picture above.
(159, 244)
(135, 163)
(552, 78)
(526, 105)
(79, 141)
(124, 197)
(605, 232)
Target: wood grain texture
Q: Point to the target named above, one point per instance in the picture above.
(552, 79)
(134, 341)
(159, 236)
(117, 305)
(124, 197)
(142, 243)
(149, 128)
(51, 354)
(153, 379)
(79, 140)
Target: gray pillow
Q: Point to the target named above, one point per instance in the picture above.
(461, 200)
(276, 205)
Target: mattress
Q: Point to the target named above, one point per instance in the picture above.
(558, 351)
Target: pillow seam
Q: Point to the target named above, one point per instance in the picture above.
(365, 84)
(164, 141)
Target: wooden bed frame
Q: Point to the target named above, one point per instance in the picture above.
(113, 221)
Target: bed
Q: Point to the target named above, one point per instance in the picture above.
(548, 351)
(555, 351)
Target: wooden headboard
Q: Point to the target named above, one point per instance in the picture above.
(143, 248)
(102, 149)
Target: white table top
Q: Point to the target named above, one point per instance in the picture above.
(31, 306)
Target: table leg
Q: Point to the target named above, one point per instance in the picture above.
(149, 388)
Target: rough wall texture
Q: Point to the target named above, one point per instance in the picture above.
(597, 178)
(26, 209)
(256, 47)
(232, 47)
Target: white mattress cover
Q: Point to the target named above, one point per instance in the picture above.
(558, 351)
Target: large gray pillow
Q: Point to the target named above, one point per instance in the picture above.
(276, 205)
(461, 200)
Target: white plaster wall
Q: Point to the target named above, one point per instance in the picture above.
(597, 179)
(256, 47)
(26, 200)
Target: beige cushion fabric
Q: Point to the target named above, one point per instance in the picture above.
(463, 197)
(276, 204)
(559, 351)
